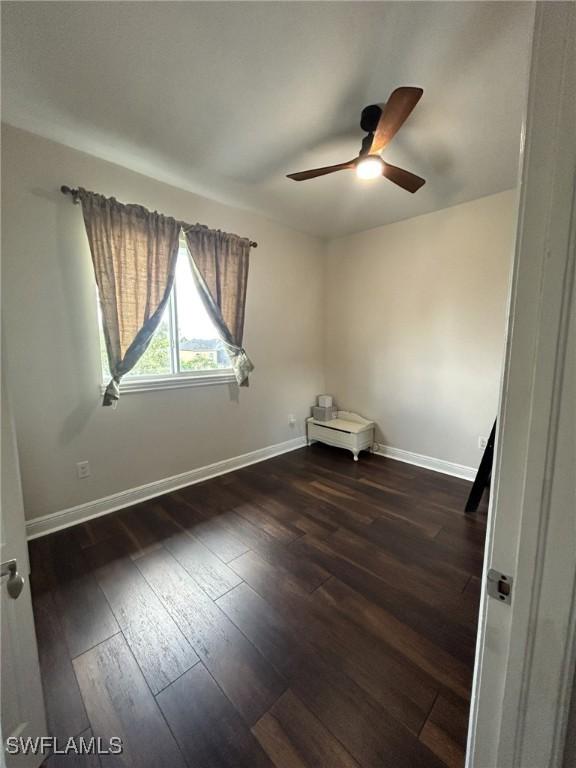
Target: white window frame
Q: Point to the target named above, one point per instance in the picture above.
(178, 379)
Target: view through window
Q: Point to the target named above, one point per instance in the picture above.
(186, 341)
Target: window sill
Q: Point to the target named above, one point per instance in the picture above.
(174, 382)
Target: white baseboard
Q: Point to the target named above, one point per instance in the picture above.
(428, 462)
(55, 521)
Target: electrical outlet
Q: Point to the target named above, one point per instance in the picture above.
(482, 442)
(83, 470)
(291, 419)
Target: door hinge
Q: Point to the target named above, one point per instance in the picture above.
(499, 586)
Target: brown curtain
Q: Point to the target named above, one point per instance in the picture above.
(134, 255)
(220, 268)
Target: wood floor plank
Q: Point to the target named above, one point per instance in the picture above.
(294, 509)
(463, 547)
(223, 505)
(448, 623)
(415, 577)
(247, 507)
(398, 493)
(205, 567)
(263, 564)
(276, 743)
(291, 732)
(207, 570)
(280, 482)
(435, 662)
(446, 730)
(119, 703)
(345, 709)
(248, 680)
(368, 506)
(93, 531)
(438, 556)
(208, 729)
(279, 503)
(361, 514)
(327, 481)
(274, 624)
(274, 638)
(201, 519)
(262, 576)
(159, 647)
(372, 737)
(82, 609)
(304, 572)
(391, 678)
(133, 524)
(65, 710)
(473, 588)
(257, 516)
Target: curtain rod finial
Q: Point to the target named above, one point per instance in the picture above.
(66, 190)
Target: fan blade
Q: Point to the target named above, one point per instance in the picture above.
(394, 113)
(311, 174)
(405, 179)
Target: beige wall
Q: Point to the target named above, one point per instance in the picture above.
(415, 321)
(51, 337)
(403, 324)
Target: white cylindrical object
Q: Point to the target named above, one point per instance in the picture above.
(325, 401)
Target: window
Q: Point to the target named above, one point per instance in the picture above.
(186, 348)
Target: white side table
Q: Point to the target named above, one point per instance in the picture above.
(348, 431)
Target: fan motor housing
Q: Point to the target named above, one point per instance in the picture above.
(370, 117)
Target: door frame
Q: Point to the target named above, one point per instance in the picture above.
(526, 651)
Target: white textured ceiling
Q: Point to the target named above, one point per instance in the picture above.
(225, 98)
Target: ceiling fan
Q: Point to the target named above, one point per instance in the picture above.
(381, 124)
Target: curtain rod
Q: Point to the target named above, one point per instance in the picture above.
(74, 194)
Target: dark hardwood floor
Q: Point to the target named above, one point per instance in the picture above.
(307, 611)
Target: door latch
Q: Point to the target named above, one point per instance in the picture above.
(15, 581)
(499, 586)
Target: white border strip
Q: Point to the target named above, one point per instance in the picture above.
(428, 462)
(56, 521)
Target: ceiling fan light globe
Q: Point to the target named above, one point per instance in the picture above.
(369, 167)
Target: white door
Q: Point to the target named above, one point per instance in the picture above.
(527, 648)
(22, 712)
